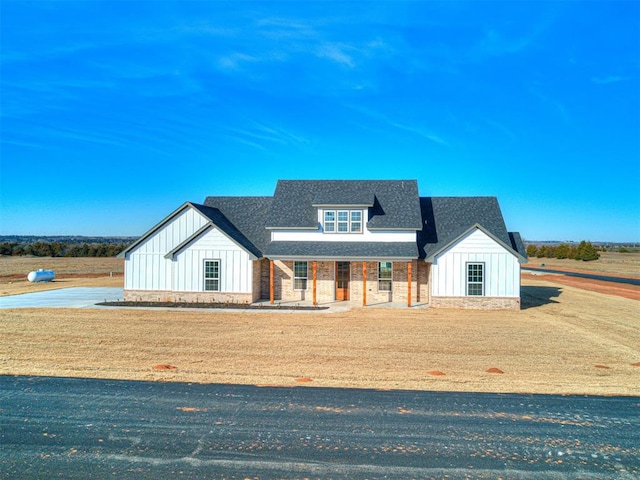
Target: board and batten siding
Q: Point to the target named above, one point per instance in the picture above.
(146, 268)
(236, 268)
(502, 269)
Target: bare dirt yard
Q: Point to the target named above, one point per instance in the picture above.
(610, 263)
(70, 272)
(565, 340)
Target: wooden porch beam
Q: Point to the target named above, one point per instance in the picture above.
(364, 284)
(409, 284)
(271, 283)
(315, 268)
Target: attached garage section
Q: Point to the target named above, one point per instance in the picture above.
(146, 267)
(230, 268)
(476, 271)
(187, 258)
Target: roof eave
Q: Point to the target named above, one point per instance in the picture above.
(157, 227)
(292, 228)
(171, 255)
(396, 229)
(342, 205)
(341, 258)
(432, 256)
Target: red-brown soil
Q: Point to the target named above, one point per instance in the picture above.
(494, 370)
(600, 286)
(164, 366)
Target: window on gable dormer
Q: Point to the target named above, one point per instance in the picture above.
(342, 221)
(329, 221)
(356, 221)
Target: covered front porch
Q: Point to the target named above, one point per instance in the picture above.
(361, 282)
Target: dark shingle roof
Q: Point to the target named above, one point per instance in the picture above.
(518, 244)
(246, 215)
(395, 203)
(446, 218)
(347, 250)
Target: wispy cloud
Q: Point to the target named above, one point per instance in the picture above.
(419, 132)
(336, 53)
(556, 107)
(500, 127)
(608, 79)
(235, 61)
(414, 129)
(496, 42)
(18, 143)
(239, 138)
(287, 136)
(261, 135)
(283, 28)
(328, 54)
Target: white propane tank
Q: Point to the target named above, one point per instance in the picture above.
(41, 276)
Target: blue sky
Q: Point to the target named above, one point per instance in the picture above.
(115, 113)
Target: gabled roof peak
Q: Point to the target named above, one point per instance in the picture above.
(394, 203)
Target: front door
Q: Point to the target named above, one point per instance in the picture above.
(342, 280)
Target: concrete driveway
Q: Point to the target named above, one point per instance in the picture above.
(76, 297)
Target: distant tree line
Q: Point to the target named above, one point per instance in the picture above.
(62, 249)
(583, 251)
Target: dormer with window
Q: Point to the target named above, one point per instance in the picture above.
(341, 220)
(344, 211)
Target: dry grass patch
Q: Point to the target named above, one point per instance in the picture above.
(70, 272)
(558, 343)
(551, 346)
(609, 263)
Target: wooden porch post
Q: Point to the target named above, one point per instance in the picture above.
(315, 267)
(271, 289)
(408, 284)
(364, 284)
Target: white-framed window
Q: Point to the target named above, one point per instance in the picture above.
(212, 275)
(342, 221)
(300, 270)
(475, 279)
(385, 276)
(356, 221)
(329, 223)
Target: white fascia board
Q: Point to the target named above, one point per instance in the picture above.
(335, 258)
(398, 229)
(171, 255)
(342, 206)
(157, 227)
(291, 228)
(477, 226)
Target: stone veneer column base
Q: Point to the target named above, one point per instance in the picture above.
(186, 297)
(476, 303)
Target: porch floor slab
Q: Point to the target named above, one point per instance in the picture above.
(338, 306)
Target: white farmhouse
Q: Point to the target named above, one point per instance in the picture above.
(331, 240)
